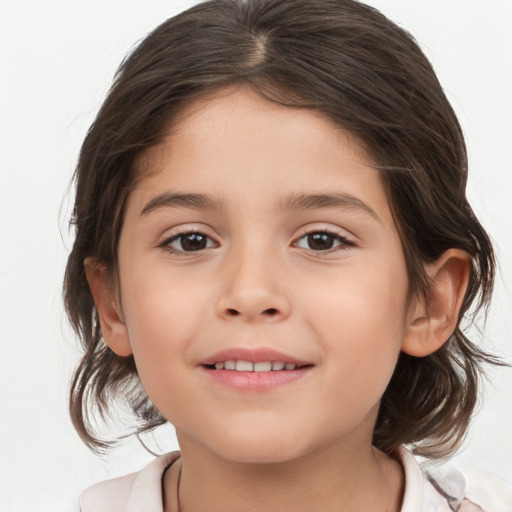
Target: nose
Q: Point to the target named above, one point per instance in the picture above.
(253, 289)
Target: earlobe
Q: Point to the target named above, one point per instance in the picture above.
(430, 325)
(112, 323)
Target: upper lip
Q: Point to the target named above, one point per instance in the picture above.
(253, 355)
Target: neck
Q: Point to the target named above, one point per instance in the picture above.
(341, 478)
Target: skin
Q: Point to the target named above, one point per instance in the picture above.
(259, 282)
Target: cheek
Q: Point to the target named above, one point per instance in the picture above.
(360, 323)
(162, 306)
(162, 319)
(361, 301)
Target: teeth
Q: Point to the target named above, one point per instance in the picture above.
(262, 367)
(230, 365)
(247, 366)
(244, 366)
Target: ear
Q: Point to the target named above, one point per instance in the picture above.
(430, 325)
(112, 323)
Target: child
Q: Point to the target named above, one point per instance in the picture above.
(274, 253)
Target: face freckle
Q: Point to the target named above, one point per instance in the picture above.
(299, 259)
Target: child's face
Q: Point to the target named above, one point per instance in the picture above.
(252, 279)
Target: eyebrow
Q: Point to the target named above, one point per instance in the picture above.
(176, 199)
(319, 201)
(290, 202)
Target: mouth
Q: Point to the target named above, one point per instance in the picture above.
(259, 370)
(249, 366)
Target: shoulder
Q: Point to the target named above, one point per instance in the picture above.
(443, 488)
(108, 496)
(488, 490)
(130, 492)
(470, 489)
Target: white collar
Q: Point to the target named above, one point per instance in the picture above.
(142, 491)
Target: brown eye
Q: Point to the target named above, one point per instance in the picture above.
(189, 242)
(322, 241)
(193, 242)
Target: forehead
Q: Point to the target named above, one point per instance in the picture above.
(213, 115)
(236, 143)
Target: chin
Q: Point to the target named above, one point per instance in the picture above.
(259, 455)
(267, 447)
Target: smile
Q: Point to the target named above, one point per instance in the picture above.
(262, 369)
(248, 366)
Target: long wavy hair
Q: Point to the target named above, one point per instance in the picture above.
(349, 62)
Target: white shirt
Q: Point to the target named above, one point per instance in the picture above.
(427, 489)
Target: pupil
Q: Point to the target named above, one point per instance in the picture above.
(193, 242)
(320, 241)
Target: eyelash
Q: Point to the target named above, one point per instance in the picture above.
(166, 244)
(344, 243)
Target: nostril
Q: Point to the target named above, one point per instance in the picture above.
(267, 312)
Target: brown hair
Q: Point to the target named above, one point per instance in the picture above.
(365, 73)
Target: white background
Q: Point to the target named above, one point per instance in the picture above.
(57, 60)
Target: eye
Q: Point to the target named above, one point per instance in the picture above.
(188, 242)
(323, 241)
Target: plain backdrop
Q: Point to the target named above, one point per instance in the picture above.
(56, 62)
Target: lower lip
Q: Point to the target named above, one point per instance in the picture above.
(256, 381)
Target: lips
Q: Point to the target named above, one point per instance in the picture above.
(248, 366)
(245, 359)
(259, 369)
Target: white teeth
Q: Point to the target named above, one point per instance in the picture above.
(230, 365)
(244, 366)
(247, 366)
(262, 367)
